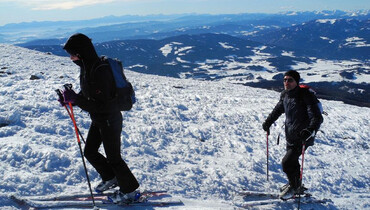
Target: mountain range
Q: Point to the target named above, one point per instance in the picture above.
(162, 26)
(329, 48)
(325, 38)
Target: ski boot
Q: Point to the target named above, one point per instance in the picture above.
(106, 185)
(125, 198)
(291, 192)
(303, 188)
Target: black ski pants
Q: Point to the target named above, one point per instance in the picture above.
(109, 133)
(291, 166)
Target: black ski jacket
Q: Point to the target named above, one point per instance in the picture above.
(98, 92)
(301, 112)
(96, 82)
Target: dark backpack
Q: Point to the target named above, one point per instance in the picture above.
(319, 105)
(125, 93)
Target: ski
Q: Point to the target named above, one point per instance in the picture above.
(251, 194)
(27, 204)
(87, 196)
(304, 200)
(154, 198)
(254, 198)
(246, 193)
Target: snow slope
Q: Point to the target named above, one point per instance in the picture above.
(201, 141)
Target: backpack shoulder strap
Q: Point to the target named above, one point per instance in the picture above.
(101, 63)
(308, 96)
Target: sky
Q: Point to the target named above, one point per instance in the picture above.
(16, 11)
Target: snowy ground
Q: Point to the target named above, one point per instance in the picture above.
(201, 141)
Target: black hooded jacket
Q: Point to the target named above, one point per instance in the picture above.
(301, 112)
(96, 79)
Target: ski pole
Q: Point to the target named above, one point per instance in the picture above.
(78, 134)
(301, 174)
(303, 150)
(69, 113)
(267, 155)
(82, 156)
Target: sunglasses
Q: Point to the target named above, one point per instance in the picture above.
(289, 80)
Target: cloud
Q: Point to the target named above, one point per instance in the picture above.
(66, 5)
(58, 4)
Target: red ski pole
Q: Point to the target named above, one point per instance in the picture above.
(82, 156)
(69, 113)
(78, 134)
(301, 174)
(303, 150)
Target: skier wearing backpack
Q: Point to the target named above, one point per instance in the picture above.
(303, 119)
(97, 92)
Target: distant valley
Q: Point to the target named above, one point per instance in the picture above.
(330, 49)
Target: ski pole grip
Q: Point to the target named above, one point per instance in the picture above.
(59, 94)
(68, 86)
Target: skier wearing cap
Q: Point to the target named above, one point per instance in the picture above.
(97, 90)
(303, 119)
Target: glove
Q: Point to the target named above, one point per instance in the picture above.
(60, 98)
(266, 127)
(69, 96)
(61, 101)
(305, 135)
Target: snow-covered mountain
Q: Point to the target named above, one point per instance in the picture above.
(164, 26)
(237, 60)
(325, 38)
(200, 140)
(330, 48)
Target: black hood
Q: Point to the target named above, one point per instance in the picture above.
(80, 44)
